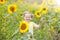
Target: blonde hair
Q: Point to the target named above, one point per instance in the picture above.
(28, 12)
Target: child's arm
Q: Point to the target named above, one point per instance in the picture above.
(42, 20)
(36, 26)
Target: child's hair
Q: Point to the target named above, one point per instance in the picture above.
(28, 12)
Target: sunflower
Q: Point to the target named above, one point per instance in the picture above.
(12, 8)
(37, 14)
(23, 27)
(44, 10)
(2, 1)
(57, 9)
(50, 2)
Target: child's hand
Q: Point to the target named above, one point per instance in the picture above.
(42, 20)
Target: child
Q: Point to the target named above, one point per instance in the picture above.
(27, 18)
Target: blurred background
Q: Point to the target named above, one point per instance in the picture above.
(11, 12)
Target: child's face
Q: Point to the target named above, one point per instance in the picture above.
(27, 17)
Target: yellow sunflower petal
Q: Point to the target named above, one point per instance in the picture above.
(50, 2)
(44, 10)
(37, 14)
(23, 27)
(12, 8)
(2, 1)
(57, 9)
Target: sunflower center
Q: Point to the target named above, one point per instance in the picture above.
(38, 13)
(23, 26)
(12, 9)
(1, 0)
(44, 9)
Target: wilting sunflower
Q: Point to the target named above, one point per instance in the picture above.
(23, 27)
(44, 10)
(37, 14)
(2, 1)
(12, 8)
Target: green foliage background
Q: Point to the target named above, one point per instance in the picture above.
(12, 22)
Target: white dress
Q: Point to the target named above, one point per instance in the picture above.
(31, 25)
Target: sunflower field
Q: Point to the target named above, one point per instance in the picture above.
(45, 12)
